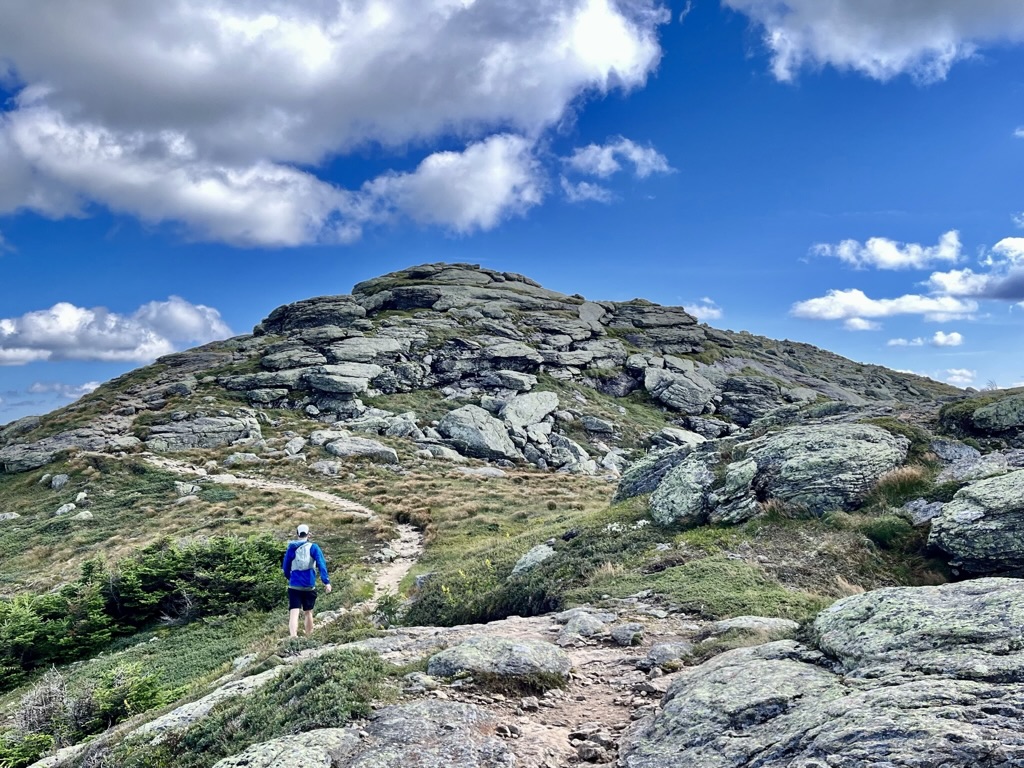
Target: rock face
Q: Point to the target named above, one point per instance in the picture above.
(645, 475)
(1003, 416)
(426, 734)
(982, 528)
(900, 677)
(202, 432)
(360, 447)
(530, 662)
(817, 468)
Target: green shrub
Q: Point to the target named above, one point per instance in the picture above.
(18, 751)
(165, 581)
(888, 531)
(325, 692)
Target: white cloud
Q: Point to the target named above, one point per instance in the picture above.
(854, 303)
(1018, 219)
(215, 114)
(474, 189)
(704, 310)
(585, 191)
(67, 332)
(1003, 280)
(918, 342)
(860, 324)
(953, 339)
(882, 253)
(960, 377)
(879, 38)
(603, 160)
(70, 391)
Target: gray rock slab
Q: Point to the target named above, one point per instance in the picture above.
(504, 658)
(529, 408)
(361, 447)
(982, 528)
(533, 558)
(474, 432)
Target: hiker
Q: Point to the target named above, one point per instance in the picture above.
(300, 561)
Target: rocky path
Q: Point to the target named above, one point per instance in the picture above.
(184, 468)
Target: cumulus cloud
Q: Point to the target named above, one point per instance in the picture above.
(604, 160)
(918, 342)
(860, 324)
(215, 114)
(879, 38)
(704, 310)
(1019, 132)
(70, 391)
(464, 191)
(953, 339)
(882, 253)
(67, 332)
(960, 377)
(854, 303)
(1003, 278)
(585, 191)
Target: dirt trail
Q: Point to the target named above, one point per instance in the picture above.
(184, 468)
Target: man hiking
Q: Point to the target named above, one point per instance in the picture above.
(300, 559)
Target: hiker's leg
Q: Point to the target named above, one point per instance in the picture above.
(293, 622)
(309, 622)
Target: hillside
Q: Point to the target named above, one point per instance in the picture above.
(488, 449)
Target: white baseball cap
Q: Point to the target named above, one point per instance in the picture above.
(303, 530)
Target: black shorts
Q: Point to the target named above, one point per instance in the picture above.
(301, 598)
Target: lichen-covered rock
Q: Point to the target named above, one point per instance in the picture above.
(1001, 416)
(22, 457)
(202, 432)
(533, 558)
(474, 432)
(362, 448)
(745, 398)
(982, 528)
(322, 748)
(682, 494)
(529, 408)
(530, 662)
(644, 475)
(909, 677)
(685, 391)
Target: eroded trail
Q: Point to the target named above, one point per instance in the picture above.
(263, 484)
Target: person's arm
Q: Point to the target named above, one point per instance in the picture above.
(286, 564)
(321, 564)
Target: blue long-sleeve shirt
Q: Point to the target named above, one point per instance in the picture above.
(304, 579)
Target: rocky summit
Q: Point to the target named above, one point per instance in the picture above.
(560, 531)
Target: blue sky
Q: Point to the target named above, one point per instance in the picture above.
(837, 172)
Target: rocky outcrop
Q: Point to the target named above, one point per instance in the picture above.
(645, 475)
(360, 447)
(427, 734)
(203, 432)
(1005, 415)
(531, 663)
(28, 456)
(816, 468)
(897, 677)
(982, 528)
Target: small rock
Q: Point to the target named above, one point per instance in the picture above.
(64, 509)
(628, 634)
(530, 704)
(59, 481)
(84, 515)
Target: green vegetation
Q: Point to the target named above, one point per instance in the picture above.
(165, 581)
(429, 404)
(920, 440)
(324, 692)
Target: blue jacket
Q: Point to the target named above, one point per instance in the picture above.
(304, 579)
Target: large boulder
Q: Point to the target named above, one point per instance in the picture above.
(474, 432)
(816, 468)
(362, 448)
(982, 528)
(645, 474)
(527, 662)
(529, 408)
(22, 457)
(686, 391)
(1003, 415)
(745, 398)
(900, 677)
